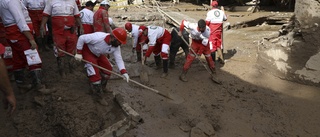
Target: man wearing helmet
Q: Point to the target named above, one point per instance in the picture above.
(93, 47)
(101, 18)
(159, 41)
(137, 39)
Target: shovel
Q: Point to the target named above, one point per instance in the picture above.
(171, 97)
(132, 57)
(143, 71)
(213, 78)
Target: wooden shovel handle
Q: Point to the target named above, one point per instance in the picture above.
(133, 81)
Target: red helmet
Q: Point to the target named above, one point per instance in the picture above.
(214, 4)
(120, 34)
(128, 26)
(142, 27)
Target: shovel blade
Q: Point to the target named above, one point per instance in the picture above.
(215, 80)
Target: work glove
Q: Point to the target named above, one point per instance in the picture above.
(205, 42)
(33, 44)
(78, 57)
(126, 77)
(202, 37)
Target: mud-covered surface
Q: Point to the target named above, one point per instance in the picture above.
(71, 111)
(250, 101)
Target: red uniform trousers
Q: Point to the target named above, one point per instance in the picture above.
(156, 49)
(7, 61)
(66, 41)
(87, 28)
(36, 17)
(199, 49)
(101, 61)
(215, 36)
(19, 44)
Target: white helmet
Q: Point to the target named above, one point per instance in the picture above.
(105, 3)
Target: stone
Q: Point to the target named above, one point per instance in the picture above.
(196, 132)
(206, 127)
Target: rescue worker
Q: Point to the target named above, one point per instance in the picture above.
(159, 43)
(137, 39)
(200, 34)
(18, 29)
(86, 16)
(101, 18)
(35, 9)
(214, 20)
(64, 15)
(9, 99)
(93, 47)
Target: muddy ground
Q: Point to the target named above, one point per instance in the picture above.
(250, 101)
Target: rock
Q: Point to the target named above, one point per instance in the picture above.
(196, 132)
(39, 100)
(313, 63)
(206, 127)
(185, 128)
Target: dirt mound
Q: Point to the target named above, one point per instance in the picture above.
(71, 111)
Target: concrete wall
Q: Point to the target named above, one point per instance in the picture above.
(308, 12)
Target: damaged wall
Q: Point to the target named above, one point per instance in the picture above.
(308, 11)
(302, 54)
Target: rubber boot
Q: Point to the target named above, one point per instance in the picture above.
(96, 88)
(20, 80)
(213, 56)
(138, 56)
(72, 64)
(157, 59)
(45, 43)
(41, 44)
(172, 60)
(165, 68)
(97, 91)
(37, 83)
(183, 76)
(104, 85)
(61, 64)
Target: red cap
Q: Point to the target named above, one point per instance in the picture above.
(2, 49)
(214, 4)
